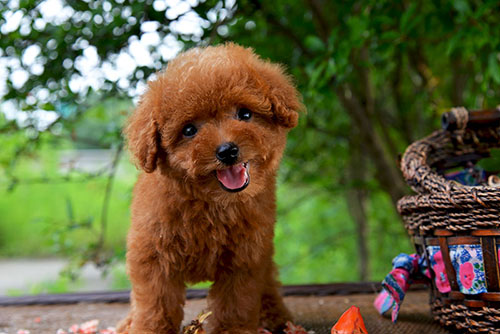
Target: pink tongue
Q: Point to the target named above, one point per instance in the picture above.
(233, 177)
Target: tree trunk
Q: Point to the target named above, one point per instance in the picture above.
(356, 201)
(387, 172)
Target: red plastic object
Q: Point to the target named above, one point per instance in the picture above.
(350, 322)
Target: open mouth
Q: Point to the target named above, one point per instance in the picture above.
(234, 178)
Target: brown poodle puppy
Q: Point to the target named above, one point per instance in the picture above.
(209, 134)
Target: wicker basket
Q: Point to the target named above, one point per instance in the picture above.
(447, 214)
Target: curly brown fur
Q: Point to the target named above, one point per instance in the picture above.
(185, 227)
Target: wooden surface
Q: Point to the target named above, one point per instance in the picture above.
(317, 313)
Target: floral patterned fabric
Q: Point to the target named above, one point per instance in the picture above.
(467, 261)
(437, 265)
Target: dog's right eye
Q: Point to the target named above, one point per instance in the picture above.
(244, 114)
(189, 130)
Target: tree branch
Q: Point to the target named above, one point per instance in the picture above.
(387, 174)
(105, 204)
(356, 202)
(320, 20)
(396, 85)
(281, 28)
(362, 67)
(459, 84)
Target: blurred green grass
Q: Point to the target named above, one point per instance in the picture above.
(315, 236)
(44, 219)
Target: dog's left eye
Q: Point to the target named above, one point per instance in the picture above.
(189, 130)
(244, 114)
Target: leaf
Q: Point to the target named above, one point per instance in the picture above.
(489, 165)
(453, 42)
(316, 74)
(47, 106)
(331, 68)
(358, 30)
(406, 23)
(461, 6)
(495, 153)
(492, 163)
(390, 35)
(494, 67)
(314, 43)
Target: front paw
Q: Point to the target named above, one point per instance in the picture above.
(276, 322)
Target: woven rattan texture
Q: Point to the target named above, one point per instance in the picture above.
(485, 320)
(446, 209)
(314, 313)
(442, 203)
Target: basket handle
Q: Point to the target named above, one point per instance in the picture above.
(416, 171)
(461, 118)
(414, 163)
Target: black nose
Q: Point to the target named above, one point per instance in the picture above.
(227, 153)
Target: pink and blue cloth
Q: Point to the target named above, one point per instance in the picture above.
(467, 260)
(406, 270)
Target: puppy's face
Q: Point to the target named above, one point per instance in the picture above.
(235, 148)
(216, 119)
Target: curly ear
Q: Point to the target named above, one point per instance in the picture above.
(143, 136)
(284, 97)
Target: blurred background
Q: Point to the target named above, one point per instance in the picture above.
(374, 75)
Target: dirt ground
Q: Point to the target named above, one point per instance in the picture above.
(314, 313)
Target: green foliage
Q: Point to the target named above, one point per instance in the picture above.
(374, 76)
(311, 244)
(492, 163)
(120, 278)
(64, 216)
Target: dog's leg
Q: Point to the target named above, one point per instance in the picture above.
(273, 314)
(157, 298)
(235, 301)
(124, 325)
